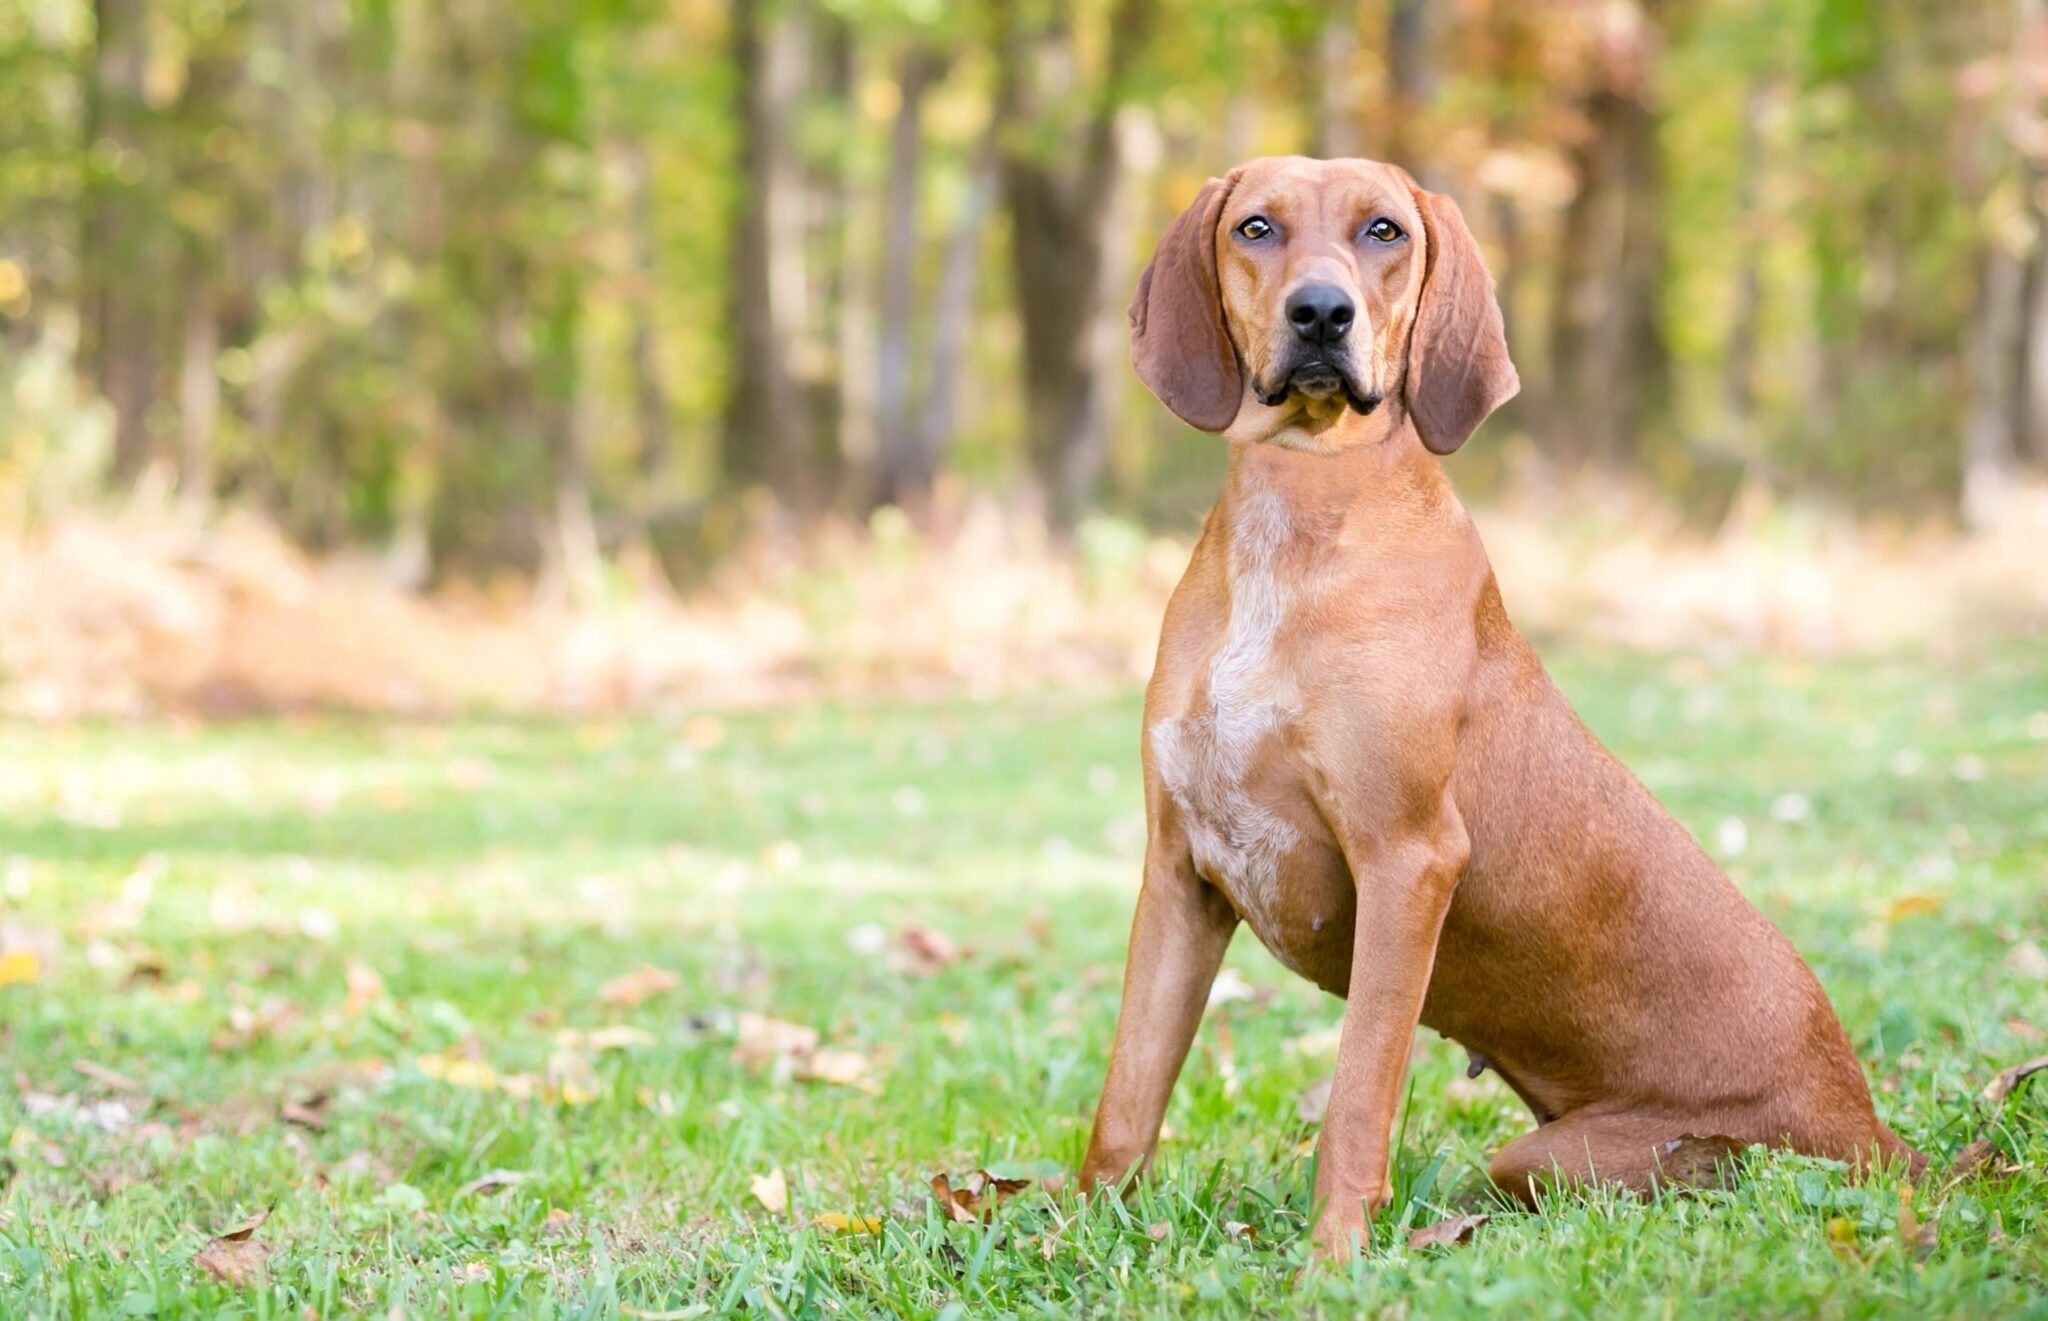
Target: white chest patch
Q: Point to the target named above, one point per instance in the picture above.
(1205, 761)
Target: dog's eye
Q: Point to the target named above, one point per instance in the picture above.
(1254, 228)
(1383, 230)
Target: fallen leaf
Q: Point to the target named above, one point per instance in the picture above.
(558, 1223)
(365, 988)
(762, 1041)
(2003, 1085)
(492, 1181)
(1313, 1101)
(635, 987)
(771, 1190)
(927, 950)
(619, 1037)
(842, 1223)
(18, 967)
(1842, 1236)
(1158, 1230)
(460, 1071)
(2024, 1030)
(106, 1077)
(308, 1113)
(1920, 1237)
(1446, 1233)
(977, 1197)
(235, 1256)
(843, 1068)
(1238, 1229)
(2028, 960)
(1912, 905)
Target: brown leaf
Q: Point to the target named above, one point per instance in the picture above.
(1921, 1238)
(558, 1224)
(845, 1068)
(771, 1190)
(765, 1041)
(977, 1197)
(1158, 1230)
(106, 1077)
(492, 1181)
(235, 1256)
(1238, 1229)
(634, 987)
(2003, 1085)
(1446, 1233)
(309, 1113)
(927, 950)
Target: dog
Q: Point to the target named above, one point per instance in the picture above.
(1349, 747)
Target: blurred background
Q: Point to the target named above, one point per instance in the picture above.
(409, 355)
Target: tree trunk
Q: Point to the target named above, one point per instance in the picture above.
(766, 425)
(198, 389)
(1059, 243)
(1336, 108)
(953, 310)
(119, 245)
(1988, 440)
(1409, 84)
(650, 393)
(904, 474)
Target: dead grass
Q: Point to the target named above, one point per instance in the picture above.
(146, 609)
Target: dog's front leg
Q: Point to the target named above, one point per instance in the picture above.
(1182, 927)
(1404, 886)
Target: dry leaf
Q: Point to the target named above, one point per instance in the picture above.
(106, 1077)
(1704, 1161)
(635, 987)
(771, 1190)
(558, 1223)
(977, 1197)
(1238, 1229)
(1446, 1233)
(927, 950)
(771, 1041)
(492, 1181)
(1842, 1236)
(309, 1113)
(619, 1037)
(1921, 1237)
(235, 1256)
(1313, 1102)
(844, 1068)
(365, 988)
(1912, 905)
(842, 1223)
(1158, 1230)
(2028, 960)
(2002, 1086)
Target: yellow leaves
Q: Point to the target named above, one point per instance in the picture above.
(18, 967)
(841, 1223)
(235, 1256)
(771, 1190)
(462, 1071)
(633, 988)
(1912, 905)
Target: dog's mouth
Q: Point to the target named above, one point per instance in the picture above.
(1318, 378)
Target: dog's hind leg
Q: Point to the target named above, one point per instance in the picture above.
(1630, 1150)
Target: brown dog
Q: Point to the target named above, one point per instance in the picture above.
(1351, 748)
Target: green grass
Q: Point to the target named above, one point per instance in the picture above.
(495, 875)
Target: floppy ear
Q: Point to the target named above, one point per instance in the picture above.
(1178, 344)
(1458, 367)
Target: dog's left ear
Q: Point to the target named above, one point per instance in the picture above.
(1458, 367)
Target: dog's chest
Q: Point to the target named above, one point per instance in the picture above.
(1220, 754)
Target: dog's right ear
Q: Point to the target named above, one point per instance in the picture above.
(1179, 345)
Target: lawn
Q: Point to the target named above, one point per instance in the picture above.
(502, 1018)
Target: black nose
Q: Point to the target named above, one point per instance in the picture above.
(1320, 313)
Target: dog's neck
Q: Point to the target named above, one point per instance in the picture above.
(1378, 466)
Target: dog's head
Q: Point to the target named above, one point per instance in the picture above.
(1292, 291)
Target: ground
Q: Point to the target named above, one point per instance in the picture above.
(348, 970)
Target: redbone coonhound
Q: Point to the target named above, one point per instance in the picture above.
(1350, 748)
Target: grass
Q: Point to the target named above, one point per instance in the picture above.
(406, 931)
